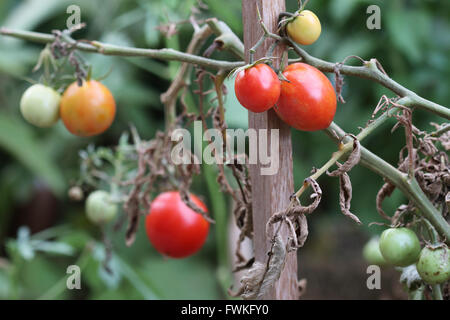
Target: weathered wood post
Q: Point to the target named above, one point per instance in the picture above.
(270, 192)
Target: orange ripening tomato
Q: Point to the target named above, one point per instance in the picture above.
(174, 229)
(308, 101)
(257, 88)
(87, 110)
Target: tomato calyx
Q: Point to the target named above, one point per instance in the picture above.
(436, 246)
(265, 60)
(284, 19)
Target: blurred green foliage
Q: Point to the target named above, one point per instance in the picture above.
(413, 45)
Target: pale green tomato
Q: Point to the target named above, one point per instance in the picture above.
(39, 105)
(305, 29)
(99, 207)
(399, 246)
(372, 254)
(434, 264)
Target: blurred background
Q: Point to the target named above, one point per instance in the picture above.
(42, 231)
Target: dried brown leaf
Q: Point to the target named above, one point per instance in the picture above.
(352, 160)
(261, 277)
(385, 191)
(345, 196)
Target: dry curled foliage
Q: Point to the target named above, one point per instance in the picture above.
(262, 275)
(345, 185)
(426, 161)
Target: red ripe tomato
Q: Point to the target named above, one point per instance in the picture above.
(87, 110)
(257, 88)
(174, 229)
(308, 101)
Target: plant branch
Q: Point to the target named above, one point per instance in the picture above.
(169, 98)
(226, 38)
(409, 187)
(370, 70)
(344, 149)
(114, 50)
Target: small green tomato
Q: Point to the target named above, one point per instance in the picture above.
(372, 254)
(399, 246)
(434, 264)
(99, 208)
(39, 105)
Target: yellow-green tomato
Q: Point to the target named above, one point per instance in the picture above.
(99, 207)
(434, 264)
(372, 254)
(399, 246)
(305, 28)
(39, 105)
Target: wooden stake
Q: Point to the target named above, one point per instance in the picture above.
(270, 193)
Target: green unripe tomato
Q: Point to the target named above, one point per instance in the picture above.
(372, 254)
(399, 246)
(434, 264)
(39, 105)
(305, 28)
(99, 207)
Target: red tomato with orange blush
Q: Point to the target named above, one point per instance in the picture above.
(257, 88)
(308, 100)
(174, 229)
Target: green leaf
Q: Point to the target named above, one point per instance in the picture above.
(17, 139)
(23, 244)
(54, 247)
(110, 279)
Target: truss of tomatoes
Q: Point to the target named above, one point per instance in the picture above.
(85, 110)
(306, 100)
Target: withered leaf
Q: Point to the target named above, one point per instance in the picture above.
(132, 209)
(385, 191)
(261, 277)
(303, 226)
(345, 196)
(352, 160)
(316, 195)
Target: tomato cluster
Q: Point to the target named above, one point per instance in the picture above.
(85, 110)
(304, 98)
(400, 247)
(174, 229)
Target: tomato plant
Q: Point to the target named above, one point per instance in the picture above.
(307, 100)
(399, 246)
(39, 105)
(257, 88)
(174, 229)
(434, 264)
(99, 207)
(372, 254)
(305, 28)
(87, 110)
